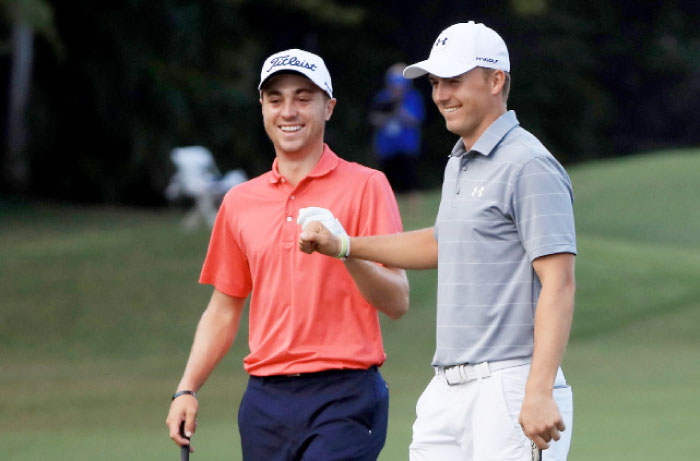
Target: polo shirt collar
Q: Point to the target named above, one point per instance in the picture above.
(490, 138)
(327, 163)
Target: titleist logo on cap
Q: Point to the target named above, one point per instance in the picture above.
(290, 61)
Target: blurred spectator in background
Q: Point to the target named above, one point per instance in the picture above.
(396, 113)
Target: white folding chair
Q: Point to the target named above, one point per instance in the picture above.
(197, 178)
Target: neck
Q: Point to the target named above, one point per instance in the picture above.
(470, 139)
(295, 166)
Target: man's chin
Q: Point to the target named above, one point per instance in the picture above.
(452, 129)
(290, 147)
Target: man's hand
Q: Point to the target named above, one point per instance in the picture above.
(540, 419)
(183, 408)
(320, 231)
(316, 237)
(322, 215)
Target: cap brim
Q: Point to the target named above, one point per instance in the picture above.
(291, 71)
(443, 69)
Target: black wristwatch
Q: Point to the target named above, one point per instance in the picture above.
(179, 393)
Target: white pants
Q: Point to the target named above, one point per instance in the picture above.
(478, 419)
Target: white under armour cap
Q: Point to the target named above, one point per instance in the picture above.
(308, 64)
(459, 49)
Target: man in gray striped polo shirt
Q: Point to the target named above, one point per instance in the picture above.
(504, 244)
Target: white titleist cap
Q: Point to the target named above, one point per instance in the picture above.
(308, 64)
(459, 49)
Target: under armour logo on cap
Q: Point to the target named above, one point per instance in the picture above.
(459, 49)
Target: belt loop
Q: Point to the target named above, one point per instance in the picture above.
(463, 373)
(482, 370)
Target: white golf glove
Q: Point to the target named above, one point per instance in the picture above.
(330, 222)
(322, 215)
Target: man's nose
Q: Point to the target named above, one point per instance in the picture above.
(440, 92)
(289, 109)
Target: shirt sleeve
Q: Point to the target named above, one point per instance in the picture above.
(542, 204)
(226, 266)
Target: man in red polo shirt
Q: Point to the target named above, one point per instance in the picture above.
(314, 391)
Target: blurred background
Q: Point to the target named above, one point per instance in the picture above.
(99, 92)
(98, 292)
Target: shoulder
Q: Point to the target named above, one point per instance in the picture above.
(535, 168)
(252, 186)
(356, 170)
(520, 146)
(353, 175)
(522, 150)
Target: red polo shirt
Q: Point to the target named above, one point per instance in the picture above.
(306, 314)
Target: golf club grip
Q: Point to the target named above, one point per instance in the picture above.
(535, 451)
(184, 449)
(184, 453)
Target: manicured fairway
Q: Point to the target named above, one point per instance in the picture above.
(98, 307)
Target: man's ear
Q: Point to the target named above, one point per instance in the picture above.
(498, 79)
(330, 105)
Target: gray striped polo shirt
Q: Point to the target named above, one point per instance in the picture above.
(504, 203)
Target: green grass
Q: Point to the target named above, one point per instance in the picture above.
(98, 307)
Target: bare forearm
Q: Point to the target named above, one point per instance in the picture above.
(553, 319)
(383, 287)
(540, 417)
(215, 333)
(552, 327)
(407, 250)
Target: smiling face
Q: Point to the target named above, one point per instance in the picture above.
(295, 112)
(469, 102)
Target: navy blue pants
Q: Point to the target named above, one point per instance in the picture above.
(325, 416)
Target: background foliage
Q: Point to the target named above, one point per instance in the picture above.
(116, 84)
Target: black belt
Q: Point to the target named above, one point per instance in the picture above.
(312, 375)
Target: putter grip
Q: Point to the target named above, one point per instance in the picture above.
(184, 449)
(536, 452)
(184, 453)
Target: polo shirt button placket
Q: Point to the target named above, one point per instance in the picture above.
(290, 212)
(289, 228)
(462, 167)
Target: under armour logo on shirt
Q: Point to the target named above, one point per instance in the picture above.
(478, 191)
(440, 41)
